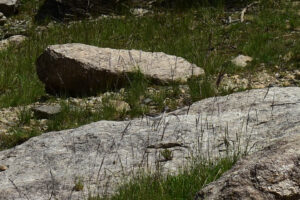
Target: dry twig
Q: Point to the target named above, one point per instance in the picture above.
(245, 10)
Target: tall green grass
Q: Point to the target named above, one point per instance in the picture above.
(182, 186)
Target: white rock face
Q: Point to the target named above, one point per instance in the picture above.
(8, 7)
(80, 68)
(13, 40)
(241, 60)
(105, 152)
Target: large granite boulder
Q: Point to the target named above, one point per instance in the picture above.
(84, 69)
(272, 173)
(8, 7)
(103, 153)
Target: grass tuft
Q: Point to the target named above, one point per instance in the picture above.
(184, 185)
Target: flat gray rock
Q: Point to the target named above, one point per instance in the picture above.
(46, 111)
(106, 152)
(80, 68)
(272, 173)
(8, 7)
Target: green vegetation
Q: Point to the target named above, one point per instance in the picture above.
(16, 137)
(137, 87)
(24, 117)
(184, 185)
(78, 184)
(166, 154)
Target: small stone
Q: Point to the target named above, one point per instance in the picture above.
(147, 100)
(75, 101)
(241, 60)
(120, 106)
(182, 90)
(46, 111)
(290, 76)
(3, 168)
(139, 12)
(286, 84)
(13, 40)
(258, 86)
(122, 91)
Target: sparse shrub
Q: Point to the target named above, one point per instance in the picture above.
(78, 184)
(166, 154)
(17, 136)
(24, 116)
(135, 90)
(200, 88)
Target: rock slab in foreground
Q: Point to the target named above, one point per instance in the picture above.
(84, 69)
(105, 152)
(8, 7)
(272, 173)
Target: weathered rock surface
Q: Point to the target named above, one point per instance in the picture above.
(80, 68)
(102, 153)
(13, 40)
(272, 173)
(8, 7)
